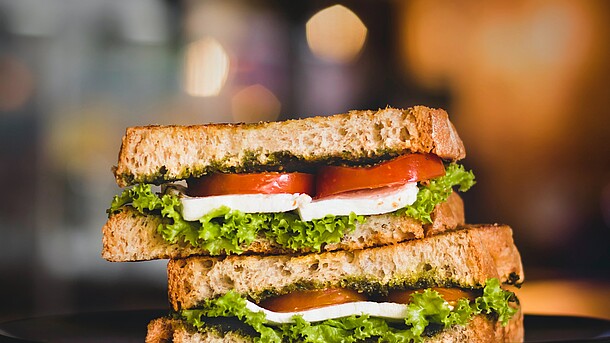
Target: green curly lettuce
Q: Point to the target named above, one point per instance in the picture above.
(426, 309)
(437, 191)
(226, 230)
(141, 198)
(231, 305)
(496, 300)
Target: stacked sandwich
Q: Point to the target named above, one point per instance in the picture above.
(328, 229)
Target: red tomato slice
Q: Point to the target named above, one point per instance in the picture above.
(265, 183)
(407, 168)
(305, 300)
(451, 295)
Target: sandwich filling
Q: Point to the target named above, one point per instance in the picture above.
(404, 316)
(361, 202)
(223, 215)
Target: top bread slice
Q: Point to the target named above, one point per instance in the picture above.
(158, 154)
(463, 258)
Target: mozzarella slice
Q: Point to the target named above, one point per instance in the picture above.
(194, 208)
(390, 311)
(366, 202)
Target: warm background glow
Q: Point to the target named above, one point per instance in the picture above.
(519, 77)
(529, 88)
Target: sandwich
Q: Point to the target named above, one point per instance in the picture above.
(343, 182)
(443, 288)
(343, 228)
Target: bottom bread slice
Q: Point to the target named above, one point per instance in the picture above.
(480, 329)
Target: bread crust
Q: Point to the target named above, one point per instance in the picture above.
(131, 236)
(157, 154)
(464, 258)
(480, 329)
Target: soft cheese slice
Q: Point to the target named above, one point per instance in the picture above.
(390, 311)
(194, 208)
(365, 202)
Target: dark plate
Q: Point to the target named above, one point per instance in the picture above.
(112, 326)
(565, 329)
(130, 326)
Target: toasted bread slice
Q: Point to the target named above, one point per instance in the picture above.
(157, 154)
(481, 329)
(131, 236)
(463, 258)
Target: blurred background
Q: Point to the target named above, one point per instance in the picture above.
(525, 82)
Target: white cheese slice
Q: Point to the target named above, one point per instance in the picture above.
(389, 311)
(194, 208)
(365, 202)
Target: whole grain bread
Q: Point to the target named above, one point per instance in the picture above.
(157, 154)
(481, 329)
(462, 258)
(131, 236)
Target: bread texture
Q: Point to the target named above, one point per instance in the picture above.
(157, 154)
(463, 258)
(131, 236)
(480, 329)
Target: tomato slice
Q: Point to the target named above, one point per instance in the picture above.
(306, 300)
(407, 168)
(451, 295)
(256, 183)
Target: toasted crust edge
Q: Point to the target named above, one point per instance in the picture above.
(131, 236)
(157, 154)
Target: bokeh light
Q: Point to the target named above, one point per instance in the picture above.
(16, 83)
(206, 67)
(255, 103)
(336, 34)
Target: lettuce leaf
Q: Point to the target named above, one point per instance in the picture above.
(426, 308)
(438, 190)
(231, 305)
(226, 230)
(140, 196)
(292, 233)
(496, 300)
